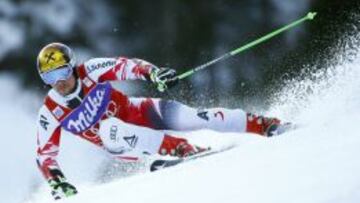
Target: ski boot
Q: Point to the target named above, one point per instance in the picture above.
(179, 147)
(265, 126)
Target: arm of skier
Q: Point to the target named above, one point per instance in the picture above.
(48, 141)
(118, 69)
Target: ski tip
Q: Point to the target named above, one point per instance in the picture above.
(311, 15)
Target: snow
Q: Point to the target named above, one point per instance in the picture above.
(297, 167)
(18, 171)
(44, 21)
(59, 15)
(11, 37)
(316, 163)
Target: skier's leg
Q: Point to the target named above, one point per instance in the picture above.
(179, 116)
(173, 115)
(131, 142)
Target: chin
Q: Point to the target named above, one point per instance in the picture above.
(67, 92)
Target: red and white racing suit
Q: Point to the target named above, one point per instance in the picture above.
(94, 100)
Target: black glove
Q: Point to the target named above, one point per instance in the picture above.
(61, 188)
(164, 78)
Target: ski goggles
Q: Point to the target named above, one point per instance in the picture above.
(61, 73)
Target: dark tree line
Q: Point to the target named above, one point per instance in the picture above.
(185, 33)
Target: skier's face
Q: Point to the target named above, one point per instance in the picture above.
(65, 87)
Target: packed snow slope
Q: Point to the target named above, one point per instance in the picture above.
(316, 163)
(18, 174)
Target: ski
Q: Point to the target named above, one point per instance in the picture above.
(163, 163)
(284, 128)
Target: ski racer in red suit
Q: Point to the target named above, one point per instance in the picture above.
(83, 102)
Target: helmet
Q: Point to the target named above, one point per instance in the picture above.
(55, 62)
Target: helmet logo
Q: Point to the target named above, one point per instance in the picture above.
(49, 57)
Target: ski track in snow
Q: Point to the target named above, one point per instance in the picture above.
(315, 163)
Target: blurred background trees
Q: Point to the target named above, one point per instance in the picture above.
(181, 34)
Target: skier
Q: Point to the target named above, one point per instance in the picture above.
(83, 102)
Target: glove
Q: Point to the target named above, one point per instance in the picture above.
(61, 188)
(163, 78)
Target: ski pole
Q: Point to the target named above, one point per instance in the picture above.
(309, 16)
